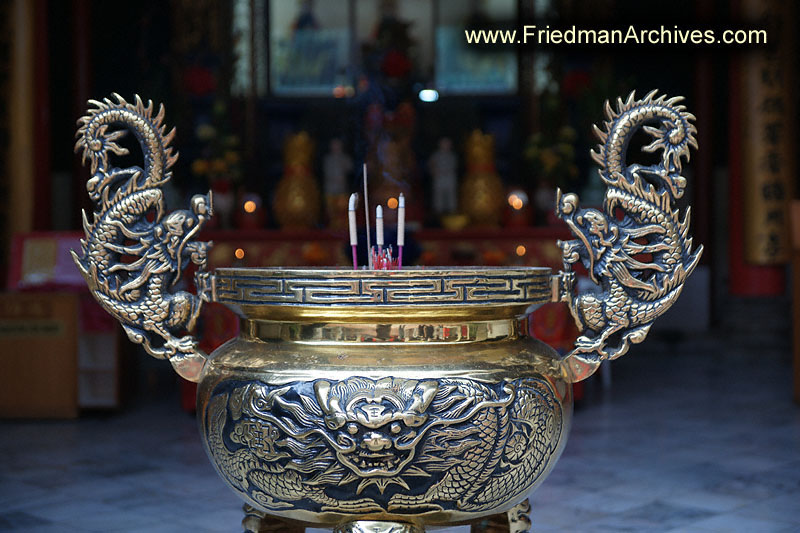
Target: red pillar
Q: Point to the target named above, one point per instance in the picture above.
(702, 106)
(42, 171)
(81, 50)
(745, 279)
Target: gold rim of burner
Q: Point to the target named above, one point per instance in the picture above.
(384, 314)
(409, 272)
(343, 295)
(370, 332)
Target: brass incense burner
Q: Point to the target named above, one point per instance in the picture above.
(386, 401)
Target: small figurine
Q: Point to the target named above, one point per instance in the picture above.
(443, 166)
(224, 201)
(390, 51)
(305, 17)
(336, 166)
(544, 197)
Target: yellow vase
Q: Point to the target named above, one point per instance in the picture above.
(296, 203)
(482, 190)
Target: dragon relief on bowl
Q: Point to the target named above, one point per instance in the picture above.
(388, 445)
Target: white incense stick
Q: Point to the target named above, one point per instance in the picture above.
(351, 215)
(401, 228)
(379, 227)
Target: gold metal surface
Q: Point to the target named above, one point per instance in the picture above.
(640, 261)
(282, 361)
(329, 333)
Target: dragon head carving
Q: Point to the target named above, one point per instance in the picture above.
(375, 421)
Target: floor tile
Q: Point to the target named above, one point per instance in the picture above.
(21, 521)
(736, 523)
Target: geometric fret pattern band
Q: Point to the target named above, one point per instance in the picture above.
(406, 287)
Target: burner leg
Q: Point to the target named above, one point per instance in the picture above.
(255, 521)
(519, 517)
(516, 520)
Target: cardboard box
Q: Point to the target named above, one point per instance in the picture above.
(38, 355)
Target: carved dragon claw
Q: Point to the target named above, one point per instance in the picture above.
(584, 344)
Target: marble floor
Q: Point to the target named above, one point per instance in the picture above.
(691, 436)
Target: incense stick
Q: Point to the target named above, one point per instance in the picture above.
(351, 214)
(401, 229)
(379, 227)
(366, 213)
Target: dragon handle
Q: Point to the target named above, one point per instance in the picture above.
(636, 249)
(134, 252)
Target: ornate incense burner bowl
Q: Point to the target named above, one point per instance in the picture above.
(386, 401)
(410, 394)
